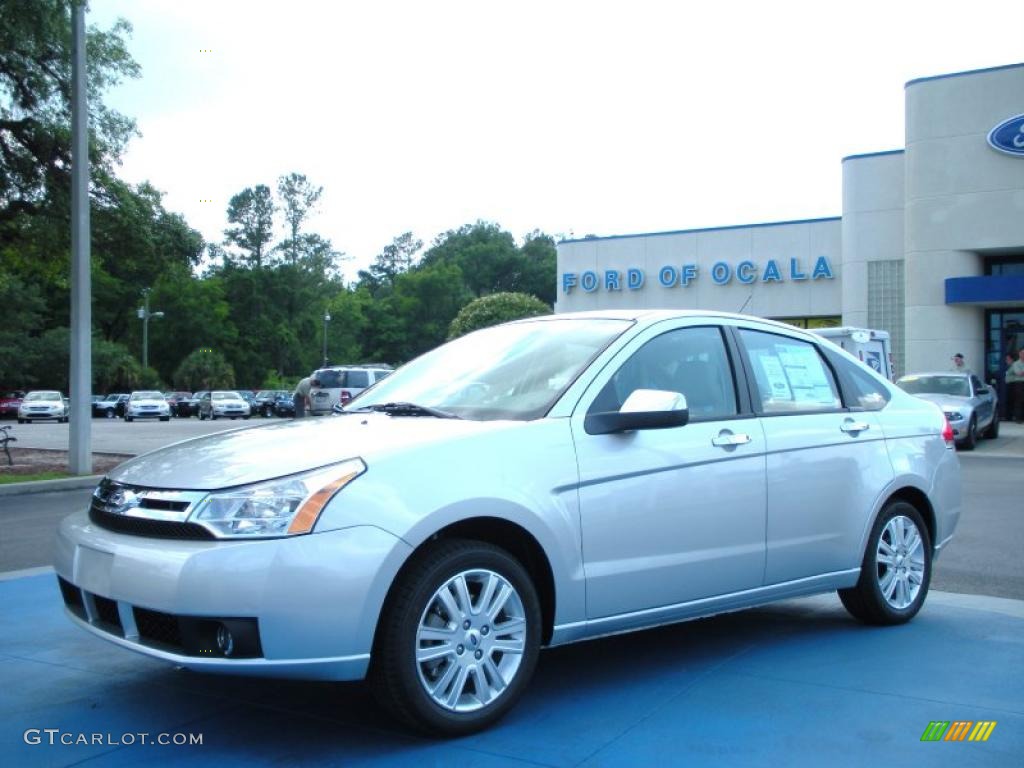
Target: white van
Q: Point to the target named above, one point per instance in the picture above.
(871, 347)
(339, 384)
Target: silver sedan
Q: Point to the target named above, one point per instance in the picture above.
(528, 485)
(970, 406)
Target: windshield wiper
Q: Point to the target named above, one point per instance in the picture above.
(405, 409)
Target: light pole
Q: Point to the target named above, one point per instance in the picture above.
(327, 319)
(144, 315)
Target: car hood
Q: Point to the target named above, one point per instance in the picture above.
(147, 402)
(249, 455)
(947, 402)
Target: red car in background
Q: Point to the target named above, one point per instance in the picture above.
(10, 399)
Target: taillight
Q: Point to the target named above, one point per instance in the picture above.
(947, 433)
(345, 396)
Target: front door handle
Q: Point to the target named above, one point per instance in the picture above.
(854, 426)
(726, 439)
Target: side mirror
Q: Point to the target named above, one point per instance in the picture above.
(643, 409)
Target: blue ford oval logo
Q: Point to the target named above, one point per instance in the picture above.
(1008, 136)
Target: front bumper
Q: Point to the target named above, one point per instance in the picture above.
(149, 414)
(315, 598)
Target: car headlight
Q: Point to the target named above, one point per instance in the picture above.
(283, 507)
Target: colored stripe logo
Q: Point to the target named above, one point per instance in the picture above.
(958, 730)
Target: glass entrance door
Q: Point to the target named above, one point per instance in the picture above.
(1005, 336)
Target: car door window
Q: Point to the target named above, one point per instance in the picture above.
(976, 384)
(862, 390)
(789, 374)
(692, 361)
(358, 379)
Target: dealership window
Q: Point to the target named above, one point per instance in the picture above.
(826, 321)
(886, 305)
(1005, 265)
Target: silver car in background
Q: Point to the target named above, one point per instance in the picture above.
(532, 484)
(971, 407)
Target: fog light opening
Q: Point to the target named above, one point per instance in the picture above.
(225, 640)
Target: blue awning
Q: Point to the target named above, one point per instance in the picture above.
(990, 290)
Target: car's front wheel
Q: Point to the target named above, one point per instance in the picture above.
(458, 639)
(972, 435)
(993, 429)
(896, 571)
(110, 413)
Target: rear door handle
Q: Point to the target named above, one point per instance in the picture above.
(725, 439)
(854, 426)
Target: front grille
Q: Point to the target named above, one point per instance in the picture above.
(157, 628)
(72, 597)
(153, 529)
(106, 613)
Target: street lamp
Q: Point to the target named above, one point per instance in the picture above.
(327, 319)
(144, 315)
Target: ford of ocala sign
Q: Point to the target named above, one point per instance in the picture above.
(1008, 136)
(721, 272)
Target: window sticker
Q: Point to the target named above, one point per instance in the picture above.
(806, 374)
(774, 375)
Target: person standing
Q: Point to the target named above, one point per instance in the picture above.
(1015, 387)
(958, 364)
(301, 396)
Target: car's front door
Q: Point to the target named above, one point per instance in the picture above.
(985, 399)
(671, 515)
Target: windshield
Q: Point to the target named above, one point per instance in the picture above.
(935, 385)
(147, 396)
(225, 396)
(514, 371)
(42, 396)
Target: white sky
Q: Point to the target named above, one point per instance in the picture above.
(569, 117)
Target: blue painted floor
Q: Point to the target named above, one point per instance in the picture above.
(795, 684)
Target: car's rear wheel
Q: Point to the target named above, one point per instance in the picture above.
(896, 571)
(993, 429)
(458, 639)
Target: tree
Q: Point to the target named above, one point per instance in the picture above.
(539, 268)
(495, 309)
(251, 212)
(393, 261)
(486, 255)
(298, 200)
(35, 106)
(204, 369)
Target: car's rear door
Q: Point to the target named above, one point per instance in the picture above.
(826, 460)
(671, 515)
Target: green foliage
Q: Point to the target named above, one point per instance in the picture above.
(114, 368)
(251, 212)
(496, 309)
(204, 369)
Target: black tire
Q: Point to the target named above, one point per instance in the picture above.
(165, 418)
(21, 421)
(109, 413)
(866, 601)
(993, 429)
(129, 419)
(246, 417)
(968, 443)
(395, 676)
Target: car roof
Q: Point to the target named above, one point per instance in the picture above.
(961, 374)
(652, 316)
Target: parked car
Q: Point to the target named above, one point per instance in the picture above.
(223, 404)
(263, 402)
(43, 404)
(284, 404)
(180, 403)
(10, 400)
(971, 407)
(535, 483)
(339, 384)
(110, 407)
(147, 404)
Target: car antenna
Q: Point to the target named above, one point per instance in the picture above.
(746, 302)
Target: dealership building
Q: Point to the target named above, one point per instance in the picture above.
(929, 247)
